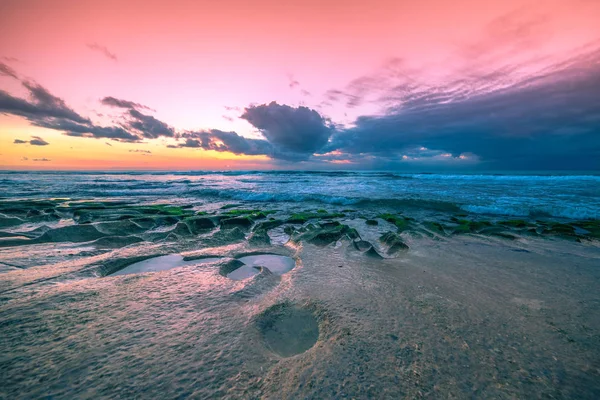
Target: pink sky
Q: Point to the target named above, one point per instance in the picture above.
(188, 60)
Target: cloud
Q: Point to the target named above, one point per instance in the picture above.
(490, 111)
(221, 141)
(103, 50)
(42, 105)
(502, 55)
(38, 141)
(144, 152)
(46, 110)
(291, 134)
(292, 82)
(35, 141)
(113, 102)
(41, 159)
(7, 71)
(423, 155)
(547, 121)
(148, 126)
(294, 133)
(514, 32)
(70, 128)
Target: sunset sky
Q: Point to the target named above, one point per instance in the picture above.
(232, 84)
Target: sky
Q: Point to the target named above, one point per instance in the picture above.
(432, 85)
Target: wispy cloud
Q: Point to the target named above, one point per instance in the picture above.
(143, 152)
(35, 141)
(292, 82)
(102, 50)
(7, 71)
(119, 103)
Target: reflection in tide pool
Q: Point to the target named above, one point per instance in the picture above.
(277, 265)
(162, 263)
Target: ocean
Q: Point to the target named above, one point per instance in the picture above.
(561, 196)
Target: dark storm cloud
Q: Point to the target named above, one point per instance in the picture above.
(549, 121)
(114, 102)
(293, 132)
(35, 141)
(103, 50)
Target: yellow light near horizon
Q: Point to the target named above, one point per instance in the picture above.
(66, 152)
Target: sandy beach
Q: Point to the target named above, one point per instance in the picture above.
(121, 298)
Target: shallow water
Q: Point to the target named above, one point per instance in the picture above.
(162, 263)
(278, 265)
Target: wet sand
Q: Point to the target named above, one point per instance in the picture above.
(400, 308)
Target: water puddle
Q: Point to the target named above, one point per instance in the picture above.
(277, 265)
(288, 330)
(252, 265)
(162, 263)
(278, 236)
